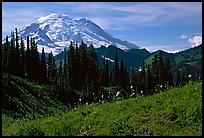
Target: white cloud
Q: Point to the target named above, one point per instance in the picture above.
(115, 16)
(143, 14)
(172, 51)
(195, 41)
(170, 48)
(183, 36)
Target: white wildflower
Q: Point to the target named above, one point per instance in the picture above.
(93, 93)
(80, 99)
(190, 76)
(160, 86)
(141, 92)
(86, 103)
(102, 96)
(131, 86)
(132, 94)
(117, 94)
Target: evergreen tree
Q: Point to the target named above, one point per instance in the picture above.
(54, 70)
(18, 70)
(143, 78)
(178, 77)
(160, 70)
(116, 71)
(71, 66)
(133, 80)
(22, 57)
(65, 64)
(6, 46)
(187, 75)
(122, 74)
(49, 61)
(169, 79)
(43, 68)
(107, 73)
(28, 60)
(154, 72)
(77, 66)
(83, 65)
(11, 56)
(149, 85)
(93, 69)
(60, 89)
(36, 61)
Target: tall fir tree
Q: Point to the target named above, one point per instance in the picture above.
(154, 72)
(178, 77)
(49, 62)
(122, 74)
(77, 66)
(116, 71)
(22, 57)
(6, 46)
(133, 80)
(83, 65)
(149, 85)
(160, 71)
(71, 66)
(19, 72)
(35, 61)
(107, 73)
(28, 60)
(169, 78)
(43, 68)
(143, 78)
(11, 56)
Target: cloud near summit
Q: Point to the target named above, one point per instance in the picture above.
(195, 41)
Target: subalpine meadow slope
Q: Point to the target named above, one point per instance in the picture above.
(175, 112)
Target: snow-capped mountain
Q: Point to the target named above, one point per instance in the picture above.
(55, 31)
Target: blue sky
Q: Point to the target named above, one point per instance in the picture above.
(170, 26)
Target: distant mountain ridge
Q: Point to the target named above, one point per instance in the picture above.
(55, 31)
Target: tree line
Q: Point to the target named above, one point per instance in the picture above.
(79, 78)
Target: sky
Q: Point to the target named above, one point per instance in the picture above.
(169, 26)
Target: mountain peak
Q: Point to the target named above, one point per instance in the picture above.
(55, 31)
(52, 16)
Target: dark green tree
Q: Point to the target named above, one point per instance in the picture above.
(22, 57)
(143, 78)
(169, 78)
(83, 65)
(154, 73)
(28, 60)
(116, 71)
(71, 66)
(11, 56)
(160, 71)
(6, 46)
(149, 85)
(43, 68)
(18, 70)
(178, 77)
(49, 62)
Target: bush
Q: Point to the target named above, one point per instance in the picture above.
(30, 131)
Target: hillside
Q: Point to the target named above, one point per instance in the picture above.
(190, 58)
(23, 98)
(132, 58)
(175, 112)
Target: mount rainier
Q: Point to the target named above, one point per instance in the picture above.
(55, 31)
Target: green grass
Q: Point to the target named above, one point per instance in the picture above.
(176, 112)
(23, 98)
